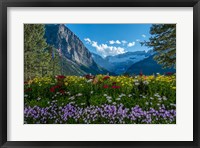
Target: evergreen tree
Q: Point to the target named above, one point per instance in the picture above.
(36, 58)
(163, 42)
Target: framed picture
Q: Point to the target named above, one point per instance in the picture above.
(99, 73)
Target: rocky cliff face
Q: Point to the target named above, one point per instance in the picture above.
(71, 47)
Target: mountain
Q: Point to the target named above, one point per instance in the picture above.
(148, 66)
(120, 63)
(76, 58)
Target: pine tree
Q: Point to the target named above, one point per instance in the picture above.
(163, 42)
(36, 58)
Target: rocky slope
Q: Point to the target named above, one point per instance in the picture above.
(77, 58)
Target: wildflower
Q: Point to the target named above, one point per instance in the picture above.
(105, 95)
(146, 82)
(164, 98)
(108, 97)
(79, 94)
(38, 98)
(105, 86)
(106, 77)
(169, 73)
(151, 98)
(137, 84)
(114, 83)
(118, 99)
(141, 74)
(60, 77)
(62, 92)
(89, 76)
(72, 98)
(115, 87)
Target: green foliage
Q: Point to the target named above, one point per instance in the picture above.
(35, 58)
(163, 41)
(40, 59)
(145, 91)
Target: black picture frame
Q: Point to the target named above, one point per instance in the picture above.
(4, 4)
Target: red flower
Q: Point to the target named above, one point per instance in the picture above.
(114, 83)
(62, 91)
(60, 77)
(115, 87)
(105, 86)
(89, 76)
(141, 74)
(52, 89)
(106, 77)
(169, 73)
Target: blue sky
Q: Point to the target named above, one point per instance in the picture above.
(112, 39)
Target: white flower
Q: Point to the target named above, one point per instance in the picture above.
(105, 95)
(79, 94)
(38, 98)
(88, 81)
(72, 98)
(147, 103)
(160, 99)
(108, 97)
(25, 95)
(91, 92)
(158, 104)
(137, 84)
(109, 101)
(129, 95)
(122, 95)
(82, 103)
(151, 98)
(146, 82)
(118, 99)
(143, 96)
(164, 98)
(114, 103)
(156, 95)
(173, 104)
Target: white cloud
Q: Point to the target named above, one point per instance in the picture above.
(112, 42)
(117, 42)
(131, 44)
(87, 40)
(124, 42)
(106, 50)
(143, 35)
